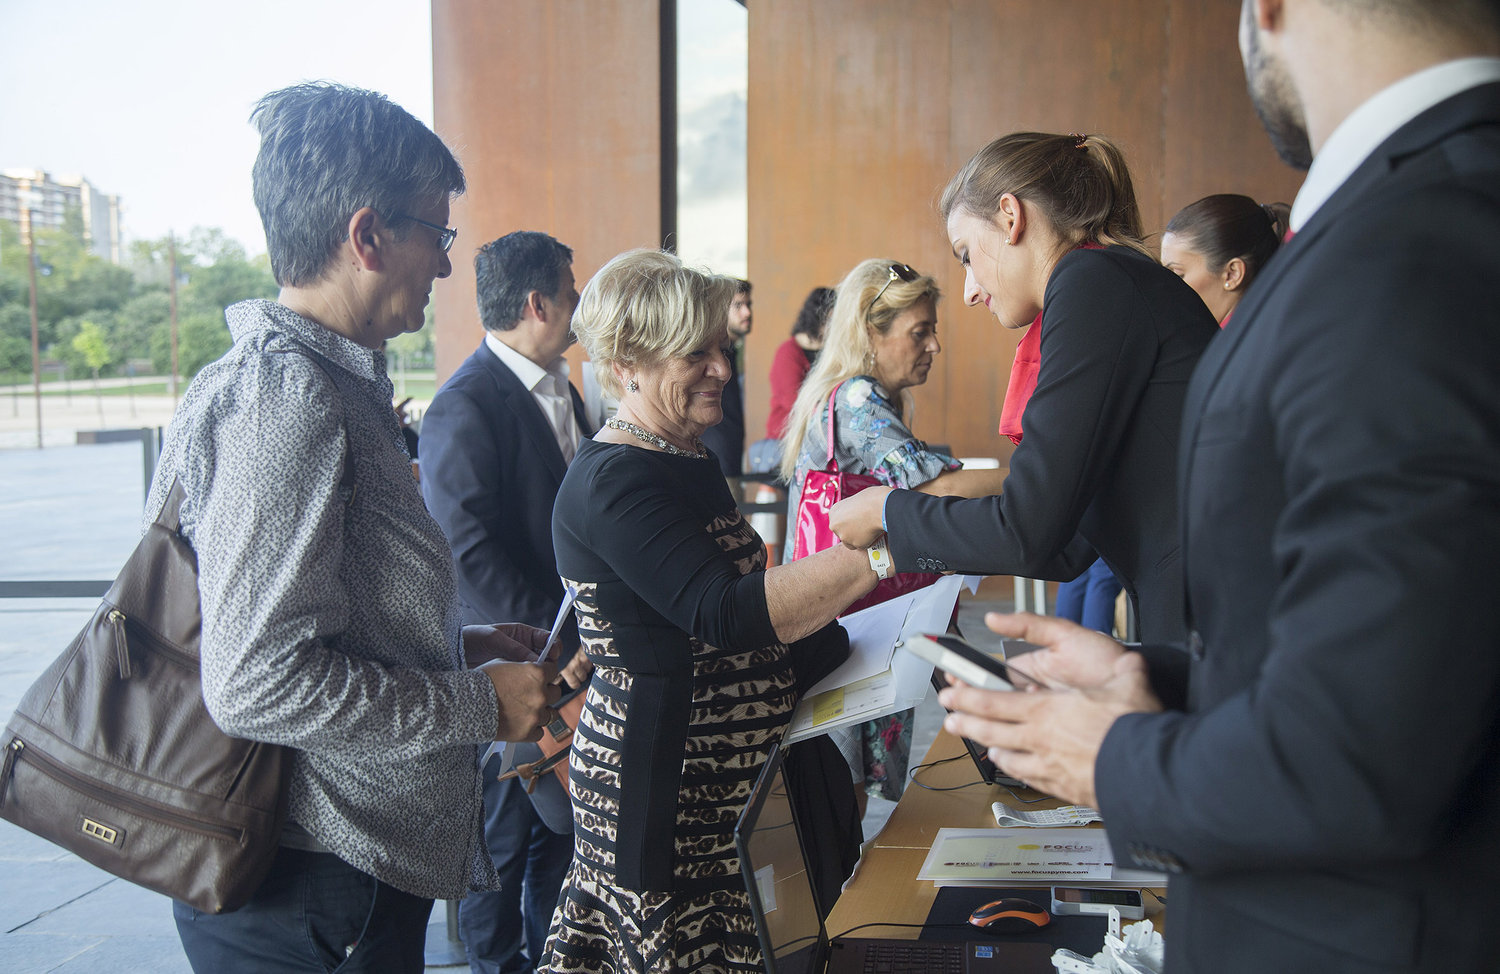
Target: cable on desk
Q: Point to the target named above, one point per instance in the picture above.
(1024, 801)
(913, 926)
(911, 776)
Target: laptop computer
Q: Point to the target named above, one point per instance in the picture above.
(792, 937)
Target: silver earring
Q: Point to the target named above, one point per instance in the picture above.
(632, 386)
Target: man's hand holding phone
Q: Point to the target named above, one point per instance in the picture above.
(1049, 736)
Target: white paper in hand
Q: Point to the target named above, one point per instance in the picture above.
(570, 595)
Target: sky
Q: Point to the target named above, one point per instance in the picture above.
(150, 100)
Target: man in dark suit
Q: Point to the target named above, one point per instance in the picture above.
(1324, 782)
(727, 438)
(495, 445)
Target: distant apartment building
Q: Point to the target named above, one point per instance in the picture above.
(32, 194)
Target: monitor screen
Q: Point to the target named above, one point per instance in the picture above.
(775, 870)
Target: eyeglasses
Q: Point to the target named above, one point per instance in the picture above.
(446, 235)
(898, 272)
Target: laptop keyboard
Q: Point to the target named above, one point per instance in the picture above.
(913, 957)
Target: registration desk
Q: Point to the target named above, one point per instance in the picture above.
(885, 888)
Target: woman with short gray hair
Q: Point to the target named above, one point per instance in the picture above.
(330, 611)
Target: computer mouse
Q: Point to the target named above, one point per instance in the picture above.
(1010, 915)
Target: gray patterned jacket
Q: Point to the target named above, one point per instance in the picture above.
(331, 627)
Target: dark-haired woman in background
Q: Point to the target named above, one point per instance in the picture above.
(1218, 244)
(794, 357)
(1048, 224)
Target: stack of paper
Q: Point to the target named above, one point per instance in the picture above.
(871, 683)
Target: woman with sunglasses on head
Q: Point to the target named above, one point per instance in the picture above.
(880, 341)
(1219, 244)
(1049, 234)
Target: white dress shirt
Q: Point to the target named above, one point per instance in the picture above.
(549, 387)
(1377, 120)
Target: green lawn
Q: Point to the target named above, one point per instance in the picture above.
(154, 388)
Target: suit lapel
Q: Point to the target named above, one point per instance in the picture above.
(521, 404)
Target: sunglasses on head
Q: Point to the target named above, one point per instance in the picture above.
(897, 272)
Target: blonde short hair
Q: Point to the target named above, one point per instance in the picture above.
(644, 307)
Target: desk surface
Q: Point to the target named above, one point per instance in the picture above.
(885, 886)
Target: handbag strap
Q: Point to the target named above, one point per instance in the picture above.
(829, 464)
(170, 516)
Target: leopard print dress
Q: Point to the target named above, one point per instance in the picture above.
(690, 691)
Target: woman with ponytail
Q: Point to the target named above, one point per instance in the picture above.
(1219, 244)
(1049, 234)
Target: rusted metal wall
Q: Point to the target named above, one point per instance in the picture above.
(860, 111)
(555, 108)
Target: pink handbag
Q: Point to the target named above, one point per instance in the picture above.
(821, 489)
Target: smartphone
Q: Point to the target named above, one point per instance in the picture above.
(974, 666)
(1096, 901)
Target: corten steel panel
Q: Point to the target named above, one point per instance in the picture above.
(1064, 66)
(554, 109)
(848, 132)
(1214, 142)
(860, 111)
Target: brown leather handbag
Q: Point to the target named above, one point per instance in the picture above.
(113, 756)
(556, 741)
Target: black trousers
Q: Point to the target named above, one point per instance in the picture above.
(313, 913)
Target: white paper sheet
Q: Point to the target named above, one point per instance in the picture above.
(1000, 857)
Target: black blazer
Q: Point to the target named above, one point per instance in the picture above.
(1098, 453)
(490, 472)
(1331, 796)
(727, 437)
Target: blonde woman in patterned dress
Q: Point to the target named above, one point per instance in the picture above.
(881, 340)
(692, 640)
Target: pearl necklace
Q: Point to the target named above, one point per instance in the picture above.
(698, 453)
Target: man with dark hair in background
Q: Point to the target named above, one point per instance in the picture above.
(496, 442)
(1324, 781)
(727, 439)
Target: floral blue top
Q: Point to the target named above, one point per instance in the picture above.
(869, 438)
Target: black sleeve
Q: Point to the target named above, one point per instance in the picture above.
(1168, 666)
(1097, 355)
(650, 528)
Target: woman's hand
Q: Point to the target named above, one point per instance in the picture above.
(857, 520)
(578, 670)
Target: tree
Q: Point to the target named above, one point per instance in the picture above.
(91, 344)
(201, 338)
(129, 305)
(216, 286)
(15, 338)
